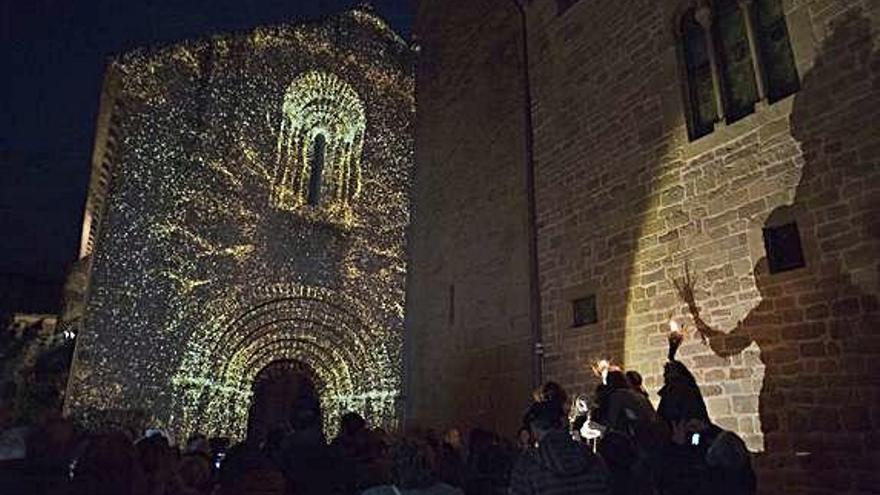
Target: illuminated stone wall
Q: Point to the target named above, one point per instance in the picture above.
(624, 199)
(468, 340)
(232, 238)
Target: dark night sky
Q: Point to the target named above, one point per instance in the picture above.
(55, 52)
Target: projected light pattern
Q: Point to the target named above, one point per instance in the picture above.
(309, 325)
(322, 115)
(212, 260)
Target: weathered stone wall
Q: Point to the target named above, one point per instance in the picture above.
(467, 315)
(210, 264)
(624, 199)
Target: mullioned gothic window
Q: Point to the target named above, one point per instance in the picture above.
(735, 53)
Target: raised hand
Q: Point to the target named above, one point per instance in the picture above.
(675, 337)
(602, 367)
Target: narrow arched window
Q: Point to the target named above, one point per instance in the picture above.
(700, 90)
(316, 168)
(777, 58)
(735, 60)
(322, 129)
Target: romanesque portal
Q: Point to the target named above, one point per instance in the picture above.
(254, 215)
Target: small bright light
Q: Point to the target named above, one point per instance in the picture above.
(601, 369)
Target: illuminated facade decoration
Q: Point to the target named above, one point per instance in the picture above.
(255, 213)
(319, 146)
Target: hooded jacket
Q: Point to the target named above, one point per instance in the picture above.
(681, 400)
(559, 466)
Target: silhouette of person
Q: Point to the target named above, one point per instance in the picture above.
(818, 326)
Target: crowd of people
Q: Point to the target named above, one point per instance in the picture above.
(611, 442)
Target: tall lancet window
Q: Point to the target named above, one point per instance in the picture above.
(779, 66)
(319, 144)
(698, 65)
(735, 65)
(316, 169)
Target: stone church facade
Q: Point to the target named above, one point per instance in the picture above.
(571, 158)
(246, 223)
(738, 138)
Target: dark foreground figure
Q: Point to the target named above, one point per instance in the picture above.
(674, 452)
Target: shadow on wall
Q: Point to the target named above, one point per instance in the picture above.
(817, 326)
(606, 153)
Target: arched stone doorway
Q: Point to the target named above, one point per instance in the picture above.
(284, 392)
(352, 363)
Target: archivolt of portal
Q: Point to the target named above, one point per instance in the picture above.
(248, 205)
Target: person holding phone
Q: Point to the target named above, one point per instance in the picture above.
(680, 467)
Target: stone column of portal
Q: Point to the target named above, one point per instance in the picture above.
(300, 166)
(280, 176)
(354, 173)
(344, 172)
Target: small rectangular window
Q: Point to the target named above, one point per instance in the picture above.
(584, 311)
(783, 246)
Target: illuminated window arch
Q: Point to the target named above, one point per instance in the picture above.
(733, 54)
(319, 144)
